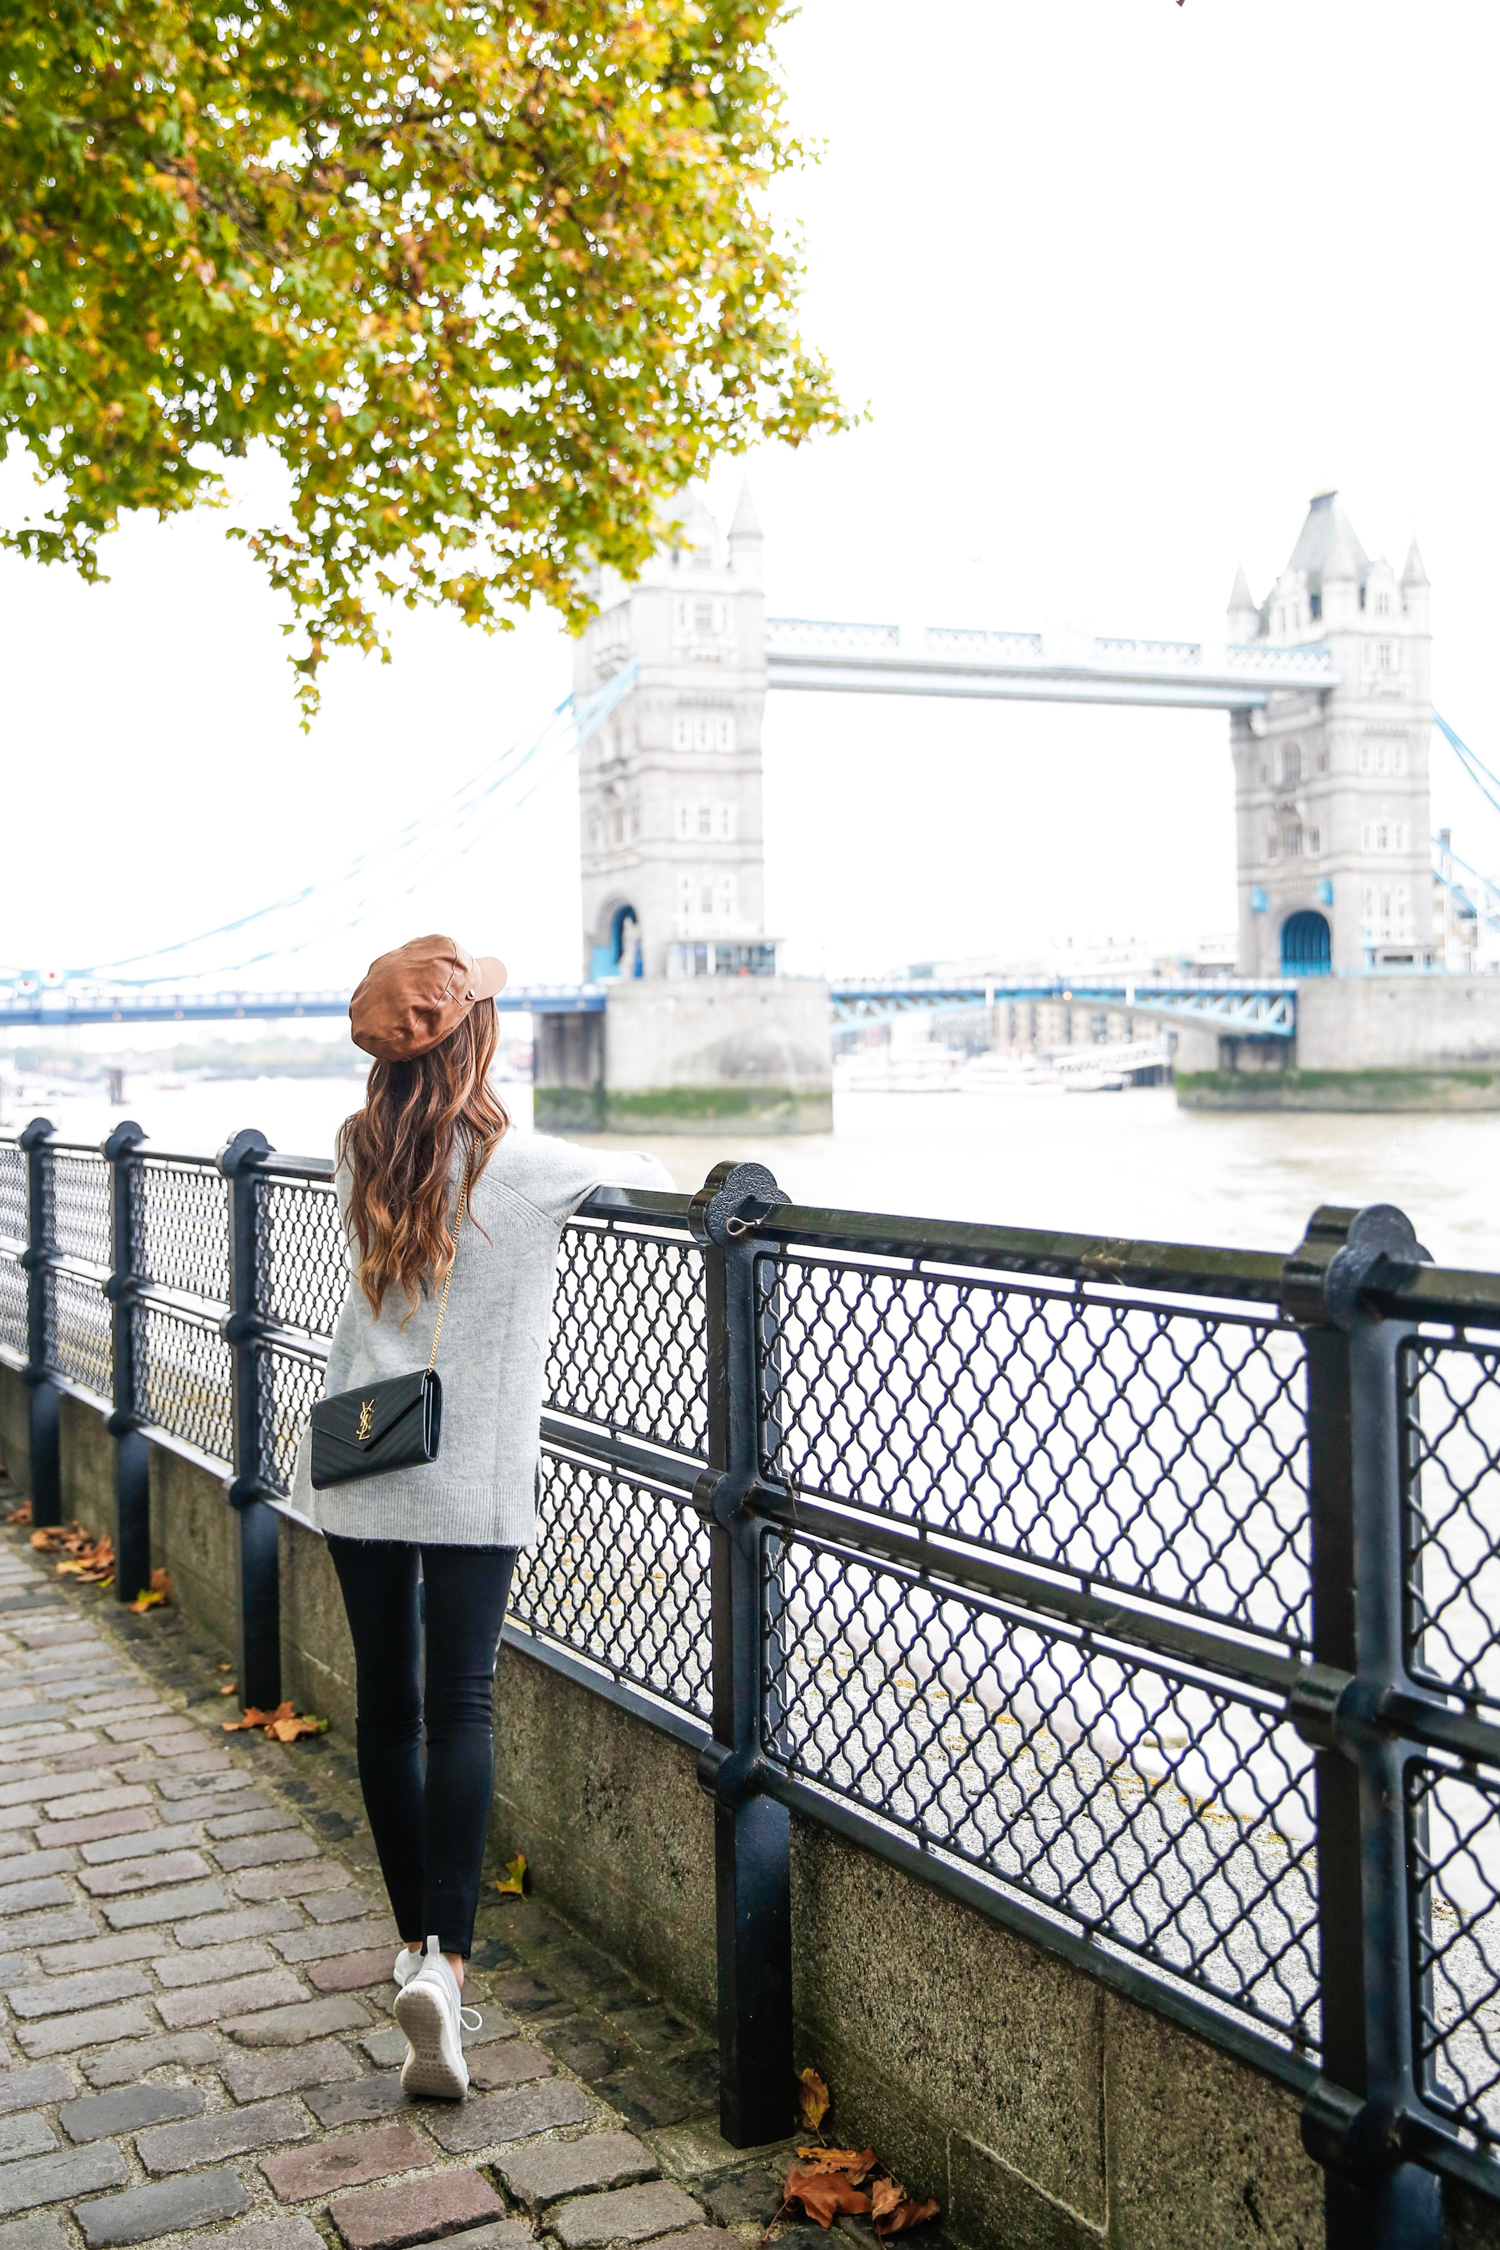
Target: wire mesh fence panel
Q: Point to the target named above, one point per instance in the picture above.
(182, 1379)
(301, 1256)
(181, 1228)
(1454, 1857)
(78, 1208)
(620, 1575)
(627, 1347)
(1450, 1413)
(1144, 1445)
(12, 1308)
(13, 1192)
(1166, 1812)
(80, 1340)
(291, 1383)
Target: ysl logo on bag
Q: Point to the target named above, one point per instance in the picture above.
(366, 1417)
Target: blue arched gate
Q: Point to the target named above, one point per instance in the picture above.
(1306, 947)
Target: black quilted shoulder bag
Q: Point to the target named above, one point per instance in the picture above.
(396, 1424)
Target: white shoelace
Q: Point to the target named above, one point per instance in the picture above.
(464, 2015)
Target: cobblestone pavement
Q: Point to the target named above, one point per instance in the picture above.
(195, 1965)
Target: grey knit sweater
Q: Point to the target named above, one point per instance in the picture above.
(480, 1491)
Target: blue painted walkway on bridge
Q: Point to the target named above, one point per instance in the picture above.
(1248, 1009)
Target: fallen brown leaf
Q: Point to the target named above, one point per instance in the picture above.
(884, 2196)
(150, 1599)
(161, 1584)
(516, 1879)
(813, 2098)
(823, 2195)
(92, 1562)
(253, 1718)
(21, 1514)
(855, 2161)
(913, 2211)
(228, 1687)
(305, 1722)
(41, 1539)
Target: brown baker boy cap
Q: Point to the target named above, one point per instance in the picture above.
(408, 1001)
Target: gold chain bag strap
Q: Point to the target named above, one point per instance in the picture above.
(392, 1425)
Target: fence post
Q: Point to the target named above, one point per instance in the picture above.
(43, 1396)
(752, 1832)
(132, 1452)
(1352, 2122)
(257, 1570)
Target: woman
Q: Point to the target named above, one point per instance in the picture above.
(453, 1221)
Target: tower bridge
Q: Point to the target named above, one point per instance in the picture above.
(1326, 685)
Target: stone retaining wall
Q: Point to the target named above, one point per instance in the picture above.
(1045, 2111)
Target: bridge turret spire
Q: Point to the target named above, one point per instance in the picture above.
(1339, 591)
(1415, 589)
(745, 539)
(1242, 613)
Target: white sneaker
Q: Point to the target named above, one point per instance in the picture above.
(407, 1965)
(430, 2012)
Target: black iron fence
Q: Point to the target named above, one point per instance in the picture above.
(1144, 1596)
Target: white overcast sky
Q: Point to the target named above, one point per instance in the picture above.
(1120, 284)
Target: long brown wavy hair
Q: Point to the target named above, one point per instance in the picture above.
(400, 1150)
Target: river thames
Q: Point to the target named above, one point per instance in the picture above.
(1125, 1164)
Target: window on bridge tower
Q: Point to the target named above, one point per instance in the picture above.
(1271, 843)
(1294, 839)
(1291, 764)
(703, 730)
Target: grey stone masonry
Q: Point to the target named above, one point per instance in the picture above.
(198, 2047)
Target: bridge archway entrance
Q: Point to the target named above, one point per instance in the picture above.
(619, 954)
(1306, 945)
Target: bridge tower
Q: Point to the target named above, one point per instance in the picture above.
(670, 785)
(1331, 800)
(698, 1030)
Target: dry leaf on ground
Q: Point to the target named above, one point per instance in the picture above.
(158, 1592)
(813, 2098)
(92, 1564)
(823, 2195)
(912, 2211)
(855, 2161)
(21, 1514)
(229, 1687)
(828, 2182)
(302, 1722)
(516, 1878)
(284, 1723)
(253, 1718)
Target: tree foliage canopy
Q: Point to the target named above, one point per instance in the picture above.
(492, 280)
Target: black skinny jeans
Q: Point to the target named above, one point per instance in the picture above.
(429, 1828)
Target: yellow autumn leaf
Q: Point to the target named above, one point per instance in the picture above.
(813, 2098)
(515, 1879)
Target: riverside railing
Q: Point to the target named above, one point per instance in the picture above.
(1145, 1597)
